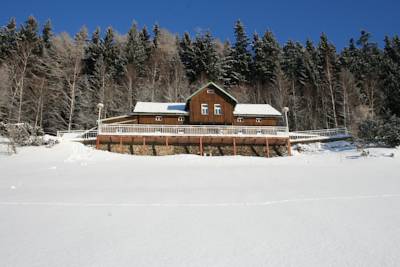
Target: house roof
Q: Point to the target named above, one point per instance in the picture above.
(215, 86)
(160, 108)
(255, 110)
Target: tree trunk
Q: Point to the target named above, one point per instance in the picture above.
(328, 73)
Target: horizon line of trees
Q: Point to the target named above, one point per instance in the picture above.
(56, 81)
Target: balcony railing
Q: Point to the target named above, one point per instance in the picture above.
(191, 130)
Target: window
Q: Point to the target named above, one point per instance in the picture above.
(204, 109)
(181, 118)
(239, 119)
(158, 118)
(210, 91)
(258, 119)
(217, 109)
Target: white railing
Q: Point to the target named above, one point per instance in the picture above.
(204, 130)
(191, 130)
(78, 134)
(322, 134)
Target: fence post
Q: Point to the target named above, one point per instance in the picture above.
(289, 147)
(266, 147)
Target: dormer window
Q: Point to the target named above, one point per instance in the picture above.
(210, 91)
(204, 109)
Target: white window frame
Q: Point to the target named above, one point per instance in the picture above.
(204, 109)
(239, 119)
(258, 120)
(210, 91)
(181, 118)
(220, 109)
(158, 118)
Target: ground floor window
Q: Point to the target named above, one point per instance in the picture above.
(239, 119)
(181, 118)
(258, 119)
(158, 118)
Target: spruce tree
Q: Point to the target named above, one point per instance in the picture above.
(329, 69)
(294, 68)
(156, 32)
(135, 51)
(8, 40)
(93, 51)
(206, 60)
(187, 55)
(228, 75)
(47, 34)
(146, 42)
(241, 54)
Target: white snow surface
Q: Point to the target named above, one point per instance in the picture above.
(70, 205)
(162, 108)
(256, 110)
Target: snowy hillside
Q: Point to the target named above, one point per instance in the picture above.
(70, 205)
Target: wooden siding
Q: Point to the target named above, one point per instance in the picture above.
(251, 121)
(165, 119)
(203, 97)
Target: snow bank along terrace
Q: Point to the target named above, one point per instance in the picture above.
(211, 121)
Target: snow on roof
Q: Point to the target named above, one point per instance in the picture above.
(255, 109)
(156, 108)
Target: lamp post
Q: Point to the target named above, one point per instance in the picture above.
(100, 106)
(286, 110)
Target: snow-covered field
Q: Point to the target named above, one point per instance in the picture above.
(73, 206)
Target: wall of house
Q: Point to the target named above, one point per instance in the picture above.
(203, 97)
(251, 121)
(165, 119)
(132, 119)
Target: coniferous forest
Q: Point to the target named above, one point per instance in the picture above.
(56, 81)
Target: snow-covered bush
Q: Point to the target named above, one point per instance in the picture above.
(379, 131)
(24, 134)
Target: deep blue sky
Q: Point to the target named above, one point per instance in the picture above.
(296, 20)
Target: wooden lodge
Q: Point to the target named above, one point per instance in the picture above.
(210, 118)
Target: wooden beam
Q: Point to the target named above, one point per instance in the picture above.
(201, 145)
(234, 146)
(166, 141)
(289, 147)
(266, 147)
(97, 142)
(144, 140)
